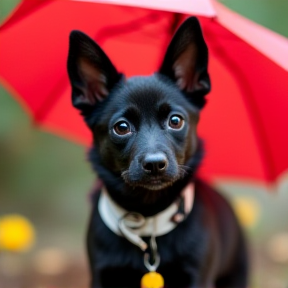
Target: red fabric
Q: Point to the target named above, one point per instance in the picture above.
(253, 96)
(244, 124)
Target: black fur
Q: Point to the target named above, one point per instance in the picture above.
(146, 150)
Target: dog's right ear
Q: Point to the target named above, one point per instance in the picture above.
(186, 62)
(91, 73)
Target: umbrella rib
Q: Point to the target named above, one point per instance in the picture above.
(125, 28)
(23, 10)
(132, 26)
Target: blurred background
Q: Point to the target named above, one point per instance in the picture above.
(45, 181)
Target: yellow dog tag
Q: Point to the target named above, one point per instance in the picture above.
(152, 280)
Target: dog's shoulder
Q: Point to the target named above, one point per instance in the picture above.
(216, 207)
(220, 220)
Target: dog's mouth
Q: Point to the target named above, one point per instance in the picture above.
(151, 183)
(154, 184)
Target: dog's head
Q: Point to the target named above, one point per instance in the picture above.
(144, 128)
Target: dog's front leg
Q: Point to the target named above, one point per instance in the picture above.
(206, 285)
(197, 281)
(92, 252)
(182, 276)
(94, 273)
(95, 281)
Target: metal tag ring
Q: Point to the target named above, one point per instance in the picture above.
(154, 266)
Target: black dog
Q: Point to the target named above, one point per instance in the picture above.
(145, 151)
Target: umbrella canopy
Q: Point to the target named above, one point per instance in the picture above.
(245, 122)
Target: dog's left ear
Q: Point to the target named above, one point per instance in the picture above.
(186, 62)
(92, 75)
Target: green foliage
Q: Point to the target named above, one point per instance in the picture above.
(269, 13)
(6, 6)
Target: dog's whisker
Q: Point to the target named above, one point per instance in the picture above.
(184, 167)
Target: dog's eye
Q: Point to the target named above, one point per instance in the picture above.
(176, 122)
(122, 128)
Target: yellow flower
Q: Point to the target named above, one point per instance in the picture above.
(247, 210)
(16, 233)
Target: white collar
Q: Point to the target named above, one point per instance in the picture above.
(133, 225)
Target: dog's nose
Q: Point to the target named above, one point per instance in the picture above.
(155, 163)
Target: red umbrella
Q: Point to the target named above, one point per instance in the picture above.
(245, 122)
